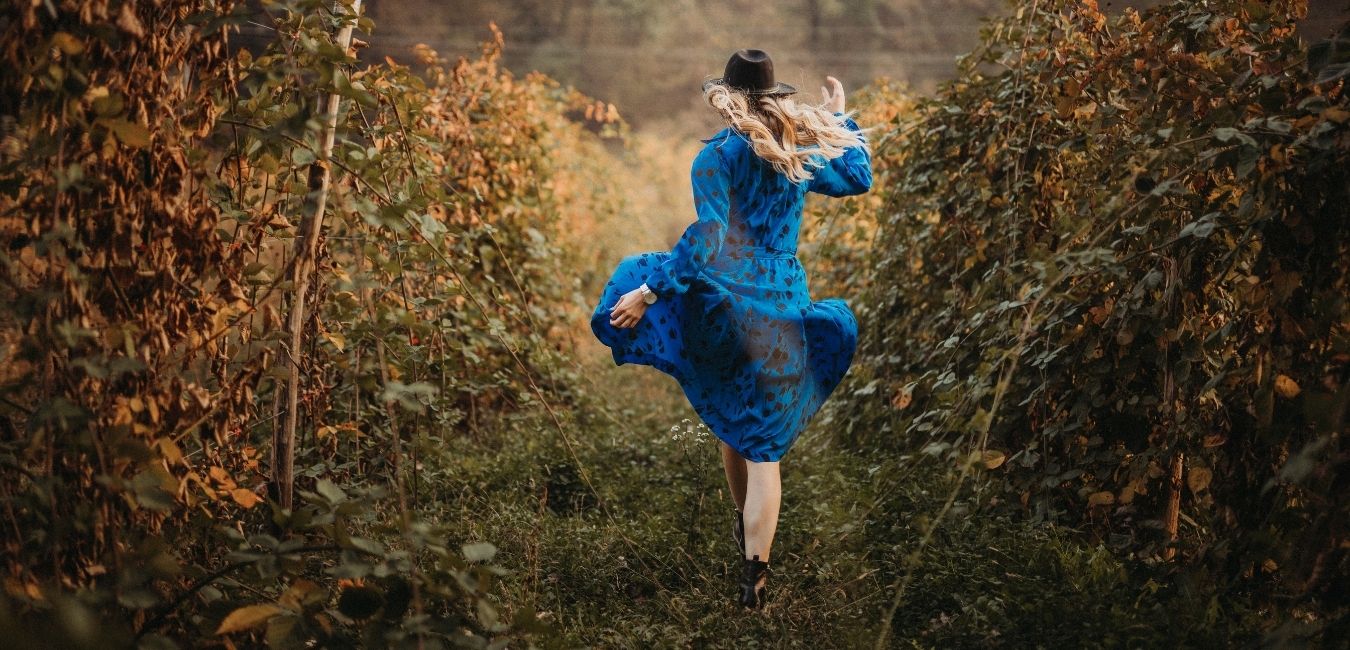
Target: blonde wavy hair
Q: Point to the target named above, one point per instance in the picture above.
(779, 128)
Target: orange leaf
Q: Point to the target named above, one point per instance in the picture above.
(1198, 478)
(245, 497)
(247, 617)
(1286, 387)
(902, 398)
(1103, 498)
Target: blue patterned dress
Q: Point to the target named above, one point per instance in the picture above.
(734, 322)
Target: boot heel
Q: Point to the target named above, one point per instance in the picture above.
(754, 583)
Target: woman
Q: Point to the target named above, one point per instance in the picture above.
(726, 311)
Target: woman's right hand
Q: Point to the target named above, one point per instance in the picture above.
(628, 311)
(833, 95)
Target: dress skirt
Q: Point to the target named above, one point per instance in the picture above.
(756, 357)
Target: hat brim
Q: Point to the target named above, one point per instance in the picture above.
(779, 89)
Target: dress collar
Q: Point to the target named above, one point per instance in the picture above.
(720, 135)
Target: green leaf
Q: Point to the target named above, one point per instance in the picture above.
(1301, 464)
(127, 132)
(479, 552)
(329, 490)
(1200, 228)
(110, 104)
(279, 632)
(1333, 72)
(487, 614)
(368, 545)
(149, 490)
(138, 598)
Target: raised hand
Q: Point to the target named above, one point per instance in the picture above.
(833, 95)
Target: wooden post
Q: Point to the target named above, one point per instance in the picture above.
(306, 249)
(1174, 504)
(1171, 295)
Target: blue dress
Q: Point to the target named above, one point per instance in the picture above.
(734, 322)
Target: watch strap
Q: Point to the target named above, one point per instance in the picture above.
(648, 296)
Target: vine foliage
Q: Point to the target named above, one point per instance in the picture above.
(1111, 274)
(152, 183)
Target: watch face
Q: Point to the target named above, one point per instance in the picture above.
(649, 297)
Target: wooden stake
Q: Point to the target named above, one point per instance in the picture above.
(302, 270)
(1174, 505)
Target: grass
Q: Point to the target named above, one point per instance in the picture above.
(621, 539)
(647, 558)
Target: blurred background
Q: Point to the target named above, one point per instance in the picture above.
(648, 59)
(648, 56)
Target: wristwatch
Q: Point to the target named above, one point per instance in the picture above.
(648, 296)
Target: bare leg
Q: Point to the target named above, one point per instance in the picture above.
(763, 495)
(734, 465)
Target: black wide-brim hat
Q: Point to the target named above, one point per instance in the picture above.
(751, 72)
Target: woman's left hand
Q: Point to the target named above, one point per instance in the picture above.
(833, 96)
(629, 311)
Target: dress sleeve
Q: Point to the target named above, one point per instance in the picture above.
(848, 174)
(702, 240)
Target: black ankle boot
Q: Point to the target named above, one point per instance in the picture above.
(738, 532)
(754, 578)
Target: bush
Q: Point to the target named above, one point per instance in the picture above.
(153, 190)
(1113, 266)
